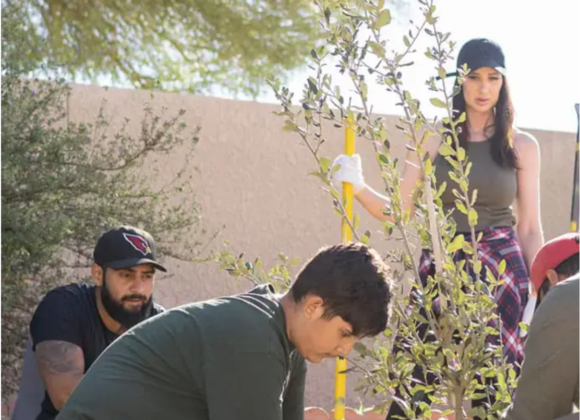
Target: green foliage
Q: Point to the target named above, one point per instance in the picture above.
(354, 33)
(63, 184)
(254, 271)
(172, 44)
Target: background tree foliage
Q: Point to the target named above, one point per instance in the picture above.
(173, 44)
(64, 184)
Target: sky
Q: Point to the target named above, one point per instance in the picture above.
(541, 42)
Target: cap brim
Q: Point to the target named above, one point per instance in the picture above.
(133, 262)
(499, 68)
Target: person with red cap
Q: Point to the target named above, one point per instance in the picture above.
(555, 261)
(548, 385)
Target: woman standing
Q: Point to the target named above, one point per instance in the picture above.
(505, 171)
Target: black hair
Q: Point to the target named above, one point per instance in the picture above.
(352, 280)
(568, 268)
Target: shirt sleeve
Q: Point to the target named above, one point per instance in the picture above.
(56, 318)
(157, 309)
(549, 375)
(245, 386)
(293, 408)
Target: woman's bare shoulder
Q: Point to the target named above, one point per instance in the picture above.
(526, 146)
(525, 142)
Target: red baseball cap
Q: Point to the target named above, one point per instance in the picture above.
(551, 255)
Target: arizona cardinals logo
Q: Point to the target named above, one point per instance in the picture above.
(138, 243)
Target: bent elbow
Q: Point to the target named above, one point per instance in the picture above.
(58, 401)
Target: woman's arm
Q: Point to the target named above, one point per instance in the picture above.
(529, 225)
(373, 201)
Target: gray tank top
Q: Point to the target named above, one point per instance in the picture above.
(496, 189)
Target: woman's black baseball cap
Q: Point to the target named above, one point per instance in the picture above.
(478, 53)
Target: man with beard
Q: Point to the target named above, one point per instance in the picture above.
(73, 324)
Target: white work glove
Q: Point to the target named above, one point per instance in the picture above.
(350, 171)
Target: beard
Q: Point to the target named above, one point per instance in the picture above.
(127, 318)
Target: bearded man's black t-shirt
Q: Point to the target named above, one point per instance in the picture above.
(69, 313)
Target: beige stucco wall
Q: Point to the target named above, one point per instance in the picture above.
(252, 177)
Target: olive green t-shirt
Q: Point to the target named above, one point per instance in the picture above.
(223, 359)
(496, 189)
(548, 385)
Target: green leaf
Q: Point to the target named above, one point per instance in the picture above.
(383, 19)
(363, 90)
(356, 220)
(461, 154)
(334, 169)
(472, 217)
(501, 267)
(365, 240)
(454, 177)
(377, 49)
(382, 135)
(441, 190)
(474, 197)
(446, 150)
(430, 18)
(325, 164)
(456, 244)
(290, 126)
(333, 192)
(468, 168)
(312, 85)
(317, 175)
(460, 206)
(428, 167)
(406, 41)
(438, 103)
(467, 248)
(501, 380)
(457, 194)
(294, 261)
